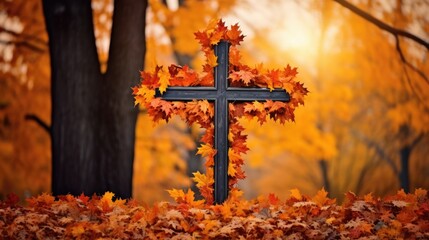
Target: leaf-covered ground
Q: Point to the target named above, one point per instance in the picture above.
(401, 216)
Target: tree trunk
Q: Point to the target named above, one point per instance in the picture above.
(323, 164)
(404, 174)
(93, 118)
(118, 114)
(75, 75)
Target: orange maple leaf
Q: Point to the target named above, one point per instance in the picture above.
(234, 56)
(290, 72)
(234, 35)
(321, 197)
(249, 108)
(235, 195)
(44, 200)
(185, 77)
(243, 75)
(215, 37)
(206, 107)
(208, 136)
(210, 225)
(238, 143)
(203, 38)
(166, 107)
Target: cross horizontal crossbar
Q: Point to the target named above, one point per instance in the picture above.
(232, 94)
(221, 94)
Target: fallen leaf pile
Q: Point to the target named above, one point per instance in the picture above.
(401, 216)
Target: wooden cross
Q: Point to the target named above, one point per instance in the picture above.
(221, 94)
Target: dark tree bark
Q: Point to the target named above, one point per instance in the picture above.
(126, 57)
(93, 118)
(404, 174)
(405, 156)
(323, 164)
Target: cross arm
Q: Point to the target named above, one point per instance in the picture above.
(233, 94)
(188, 93)
(256, 94)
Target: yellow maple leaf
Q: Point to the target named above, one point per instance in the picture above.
(77, 230)
(202, 179)
(176, 194)
(211, 58)
(107, 197)
(330, 220)
(204, 105)
(211, 26)
(260, 68)
(234, 157)
(144, 94)
(258, 106)
(231, 169)
(164, 80)
(189, 198)
(206, 150)
(295, 194)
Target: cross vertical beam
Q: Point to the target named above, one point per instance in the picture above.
(221, 124)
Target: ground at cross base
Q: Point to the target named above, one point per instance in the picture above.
(400, 216)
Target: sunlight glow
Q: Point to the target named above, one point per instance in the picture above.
(288, 25)
(298, 34)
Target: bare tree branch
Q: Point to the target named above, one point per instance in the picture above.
(39, 122)
(379, 150)
(24, 36)
(26, 44)
(382, 25)
(417, 139)
(408, 64)
(394, 31)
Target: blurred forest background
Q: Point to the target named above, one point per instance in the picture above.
(364, 127)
